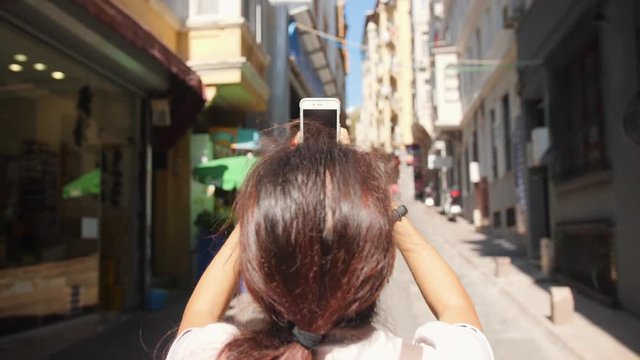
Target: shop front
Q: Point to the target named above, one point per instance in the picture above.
(75, 143)
(65, 166)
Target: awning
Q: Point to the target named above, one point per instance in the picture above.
(315, 49)
(185, 93)
(227, 173)
(107, 39)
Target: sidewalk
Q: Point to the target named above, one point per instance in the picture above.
(594, 332)
(144, 335)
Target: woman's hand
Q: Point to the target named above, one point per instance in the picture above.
(344, 137)
(439, 285)
(216, 287)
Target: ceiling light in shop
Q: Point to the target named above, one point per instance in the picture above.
(15, 67)
(20, 57)
(58, 75)
(40, 66)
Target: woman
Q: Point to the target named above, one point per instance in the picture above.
(315, 245)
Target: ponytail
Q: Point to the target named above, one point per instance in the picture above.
(316, 245)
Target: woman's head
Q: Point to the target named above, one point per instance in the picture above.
(316, 247)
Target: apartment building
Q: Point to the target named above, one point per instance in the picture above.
(387, 109)
(482, 142)
(580, 107)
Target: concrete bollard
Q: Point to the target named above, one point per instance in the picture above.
(503, 266)
(546, 256)
(562, 304)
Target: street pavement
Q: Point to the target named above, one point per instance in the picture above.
(513, 310)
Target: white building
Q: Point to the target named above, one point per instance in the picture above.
(422, 98)
(481, 34)
(388, 110)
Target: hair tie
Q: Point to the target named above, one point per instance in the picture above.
(399, 212)
(307, 339)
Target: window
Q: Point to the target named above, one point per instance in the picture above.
(478, 44)
(511, 217)
(494, 149)
(497, 219)
(506, 122)
(578, 130)
(425, 44)
(252, 12)
(201, 11)
(259, 22)
(467, 185)
(204, 7)
(475, 138)
(487, 27)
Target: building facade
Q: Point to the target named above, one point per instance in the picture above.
(422, 42)
(387, 109)
(107, 108)
(308, 58)
(92, 91)
(580, 108)
(477, 40)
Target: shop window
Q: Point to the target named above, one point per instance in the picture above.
(60, 185)
(510, 217)
(578, 129)
(497, 219)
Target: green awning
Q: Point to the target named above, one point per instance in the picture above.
(227, 173)
(87, 184)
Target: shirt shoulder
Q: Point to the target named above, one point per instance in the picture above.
(440, 340)
(202, 342)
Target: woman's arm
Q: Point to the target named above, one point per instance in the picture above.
(439, 285)
(215, 288)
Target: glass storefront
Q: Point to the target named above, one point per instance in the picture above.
(68, 171)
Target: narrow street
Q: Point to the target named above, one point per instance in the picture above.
(512, 335)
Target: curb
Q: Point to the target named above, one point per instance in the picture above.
(540, 323)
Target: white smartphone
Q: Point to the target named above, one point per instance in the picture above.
(324, 111)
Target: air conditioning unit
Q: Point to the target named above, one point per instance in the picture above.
(160, 113)
(512, 13)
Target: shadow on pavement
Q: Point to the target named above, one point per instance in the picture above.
(620, 324)
(145, 335)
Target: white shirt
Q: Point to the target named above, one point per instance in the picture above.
(437, 339)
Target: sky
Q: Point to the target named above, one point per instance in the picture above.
(355, 10)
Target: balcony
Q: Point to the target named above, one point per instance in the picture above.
(231, 64)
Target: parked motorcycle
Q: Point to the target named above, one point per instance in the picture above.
(429, 198)
(453, 205)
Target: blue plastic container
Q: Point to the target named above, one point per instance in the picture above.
(156, 299)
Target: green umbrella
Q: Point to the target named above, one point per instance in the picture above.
(87, 184)
(227, 173)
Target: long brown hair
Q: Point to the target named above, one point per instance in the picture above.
(316, 246)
